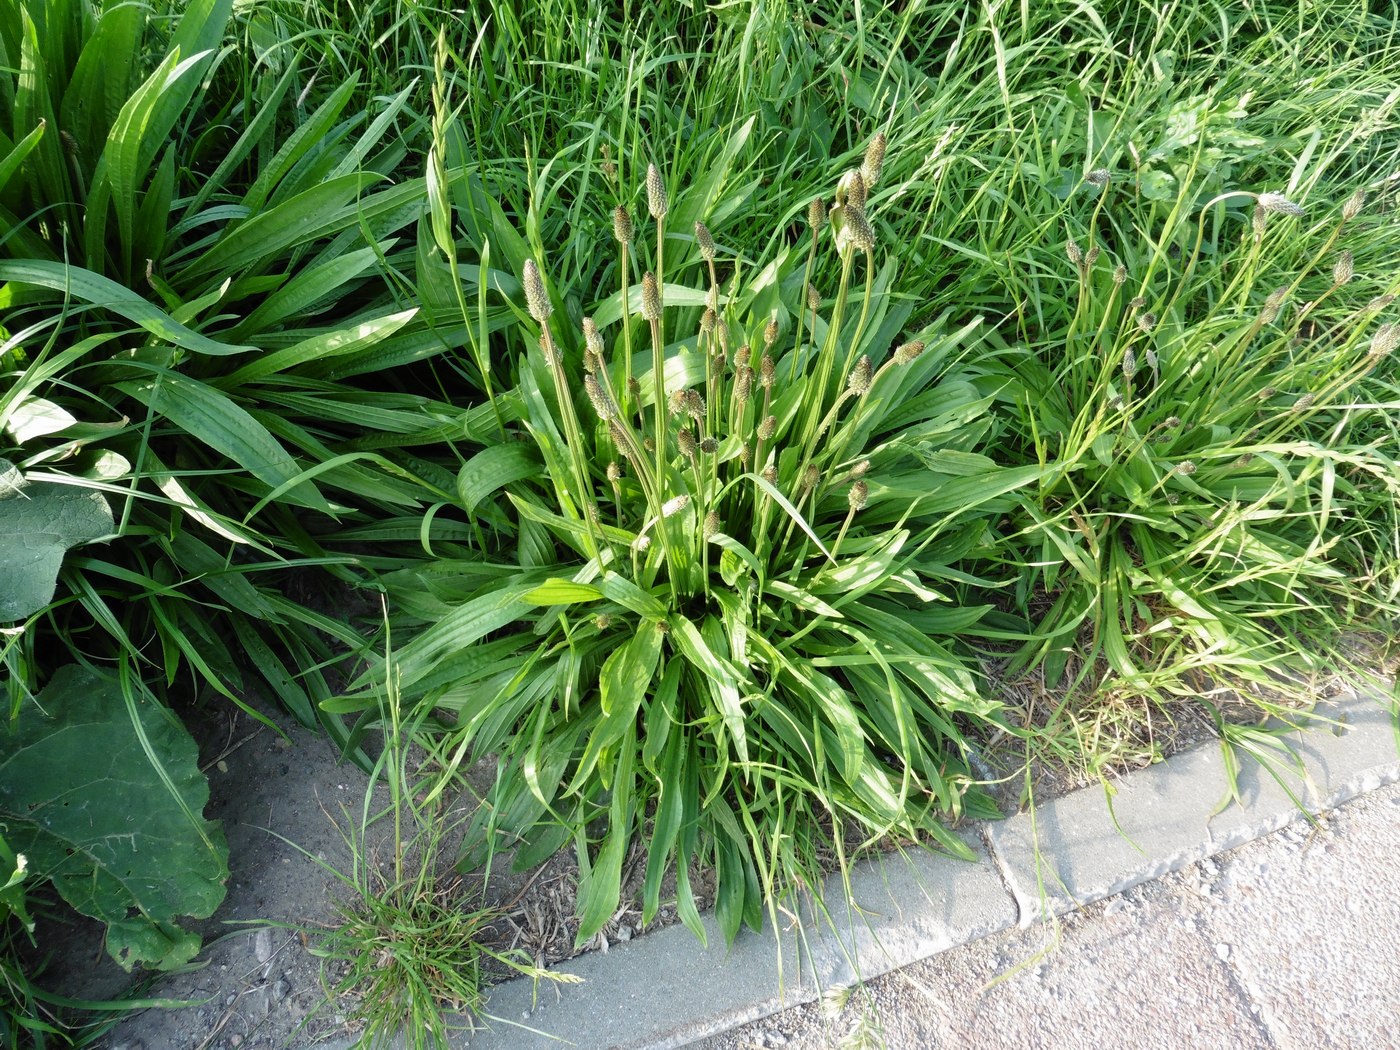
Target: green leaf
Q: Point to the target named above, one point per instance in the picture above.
(108, 294)
(104, 796)
(463, 626)
(600, 887)
(36, 417)
(561, 592)
(317, 212)
(11, 162)
(39, 521)
(494, 468)
(213, 418)
(126, 157)
(328, 344)
(722, 677)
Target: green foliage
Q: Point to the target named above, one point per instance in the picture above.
(409, 948)
(709, 623)
(38, 523)
(1188, 511)
(101, 791)
(265, 276)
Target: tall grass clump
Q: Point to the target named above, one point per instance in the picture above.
(1187, 258)
(720, 629)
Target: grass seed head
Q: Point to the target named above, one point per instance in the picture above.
(619, 438)
(1147, 322)
(1185, 468)
(1091, 256)
(816, 215)
(851, 191)
(743, 384)
(591, 339)
(614, 472)
(536, 299)
(741, 357)
(709, 446)
(1352, 208)
(1098, 177)
(656, 193)
(1272, 305)
(1385, 340)
(858, 471)
(1344, 269)
(1304, 403)
(705, 241)
(874, 161)
(1137, 303)
(858, 382)
(1260, 220)
(634, 387)
(770, 330)
(675, 505)
(600, 398)
(712, 525)
(685, 441)
(708, 319)
(651, 297)
(814, 298)
(1076, 256)
(1129, 364)
(810, 476)
(694, 404)
(908, 351)
(858, 228)
(770, 474)
(858, 495)
(1277, 202)
(1172, 422)
(1120, 275)
(622, 225)
(602, 621)
(768, 428)
(767, 372)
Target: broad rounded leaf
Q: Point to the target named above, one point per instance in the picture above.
(107, 800)
(39, 521)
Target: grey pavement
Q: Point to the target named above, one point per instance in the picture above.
(1168, 921)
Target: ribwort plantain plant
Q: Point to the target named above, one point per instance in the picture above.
(722, 637)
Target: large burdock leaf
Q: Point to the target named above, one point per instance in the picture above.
(102, 793)
(39, 521)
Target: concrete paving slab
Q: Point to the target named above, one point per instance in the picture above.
(1359, 753)
(1310, 927)
(1286, 943)
(1169, 815)
(1135, 972)
(1154, 967)
(1085, 846)
(902, 909)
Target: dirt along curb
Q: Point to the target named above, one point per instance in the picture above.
(666, 990)
(259, 986)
